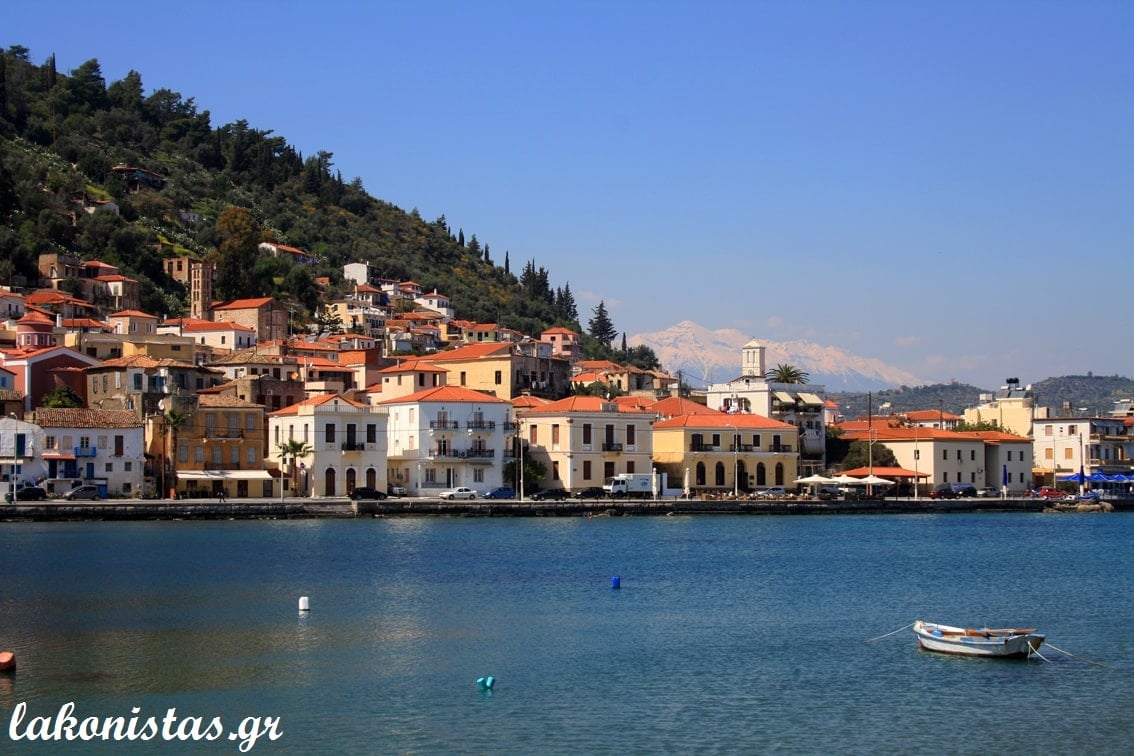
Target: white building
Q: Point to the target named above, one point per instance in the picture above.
(346, 444)
(103, 448)
(21, 443)
(448, 436)
(800, 404)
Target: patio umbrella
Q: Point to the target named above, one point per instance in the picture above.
(685, 484)
(874, 480)
(847, 479)
(814, 479)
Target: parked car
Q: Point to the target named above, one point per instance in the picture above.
(592, 492)
(30, 493)
(827, 493)
(366, 493)
(775, 492)
(82, 492)
(503, 492)
(1047, 492)
(464, 492)
(942, 491)
(397, 491)
(988, 492)
(550, 494)
(964, 490)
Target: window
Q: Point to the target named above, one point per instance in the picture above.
(84, 442)
(586, 434)
(49, 442)
(464, 377)
(945, 458)
(533, 434)
(478, 475)
(555, 436)
(371, 433)
(498, 378)
(250, 421)
(329, 433)
(119, 445)
(958, 455)
(234, 454)
(250, 455)
(199, 454)
(586, 469)
(110, 467)
(630, 466)
(217, 459)
(430, 475)
(630, 435)
(137, 381)
(128, 466)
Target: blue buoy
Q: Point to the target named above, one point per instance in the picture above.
(616, 582)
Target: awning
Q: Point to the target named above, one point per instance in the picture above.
(809, 398)
(57, 455)
(224, 475)
(785, 397)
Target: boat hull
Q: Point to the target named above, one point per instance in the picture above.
(1006, 644)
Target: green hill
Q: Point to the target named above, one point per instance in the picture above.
(61, 136)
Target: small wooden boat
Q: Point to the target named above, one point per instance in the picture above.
(1005, 642)
(7, 661)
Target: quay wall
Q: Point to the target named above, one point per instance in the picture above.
(315, 508)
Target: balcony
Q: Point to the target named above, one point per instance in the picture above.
(444, 425)
(85, 451)
(223, 433)
(223, 466)
(350, 446)
(612, 447)
(481, 425)
(741, 448)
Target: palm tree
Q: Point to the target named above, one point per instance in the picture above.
(789, 374)
(293, 450)
(174, 421)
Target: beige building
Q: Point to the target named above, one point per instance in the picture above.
(726, 453)
(220, 448)
(1013, 408)
(266, 316)
(506, 369)
(583, 440)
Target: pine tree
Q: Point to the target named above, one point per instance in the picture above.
(600, 327)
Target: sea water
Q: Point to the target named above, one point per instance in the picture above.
(737, 634)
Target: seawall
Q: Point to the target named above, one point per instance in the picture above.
(314, 508)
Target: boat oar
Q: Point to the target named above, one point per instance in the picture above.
(887, 635)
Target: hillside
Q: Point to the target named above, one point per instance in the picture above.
(1066, 396)
(61, 137)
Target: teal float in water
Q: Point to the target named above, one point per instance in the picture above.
(486, 683)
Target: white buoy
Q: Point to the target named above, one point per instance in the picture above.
(304, 605)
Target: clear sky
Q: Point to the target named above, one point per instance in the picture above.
(945, 186)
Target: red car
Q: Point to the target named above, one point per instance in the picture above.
(1047, 492)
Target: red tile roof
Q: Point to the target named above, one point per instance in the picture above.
(444, 394)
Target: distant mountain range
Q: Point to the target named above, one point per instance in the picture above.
(705, 356)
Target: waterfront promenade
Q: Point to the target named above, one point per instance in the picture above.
(210, 509)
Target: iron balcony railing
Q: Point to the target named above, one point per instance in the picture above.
(481, 425)
(444, 425)
(612, 447)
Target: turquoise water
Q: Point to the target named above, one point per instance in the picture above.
(728, 634)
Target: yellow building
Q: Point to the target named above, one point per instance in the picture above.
(727, 453)
(506, 369)
(583, 440)
(221, 447)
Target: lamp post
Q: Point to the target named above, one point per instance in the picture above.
(735, 461)
(520, 443)
(283, 468)
(870, 434)
(916, 457)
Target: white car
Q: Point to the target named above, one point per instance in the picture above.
(458, 493)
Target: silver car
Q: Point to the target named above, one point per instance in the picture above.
(458, 493)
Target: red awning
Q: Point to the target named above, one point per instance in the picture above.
(57, 455)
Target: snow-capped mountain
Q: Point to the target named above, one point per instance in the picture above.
(706, 356)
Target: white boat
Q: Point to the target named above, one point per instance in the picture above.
(1002, 642)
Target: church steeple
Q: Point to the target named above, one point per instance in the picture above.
(752, 359)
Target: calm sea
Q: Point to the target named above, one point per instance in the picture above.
(727, 635)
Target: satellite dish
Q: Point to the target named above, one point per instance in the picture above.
(161, 405)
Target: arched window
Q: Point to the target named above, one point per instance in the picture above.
(761, 475)
(719, 474)
(699, 480)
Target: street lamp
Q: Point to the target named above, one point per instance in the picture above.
(870, 435)
(520, 443)
(916, 457)
(283, 468)
(735, 461)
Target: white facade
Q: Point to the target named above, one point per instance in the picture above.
(76, 454)
(446, 437)
(21, 445)
(347, 443)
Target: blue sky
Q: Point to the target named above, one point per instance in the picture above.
(946, 187)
